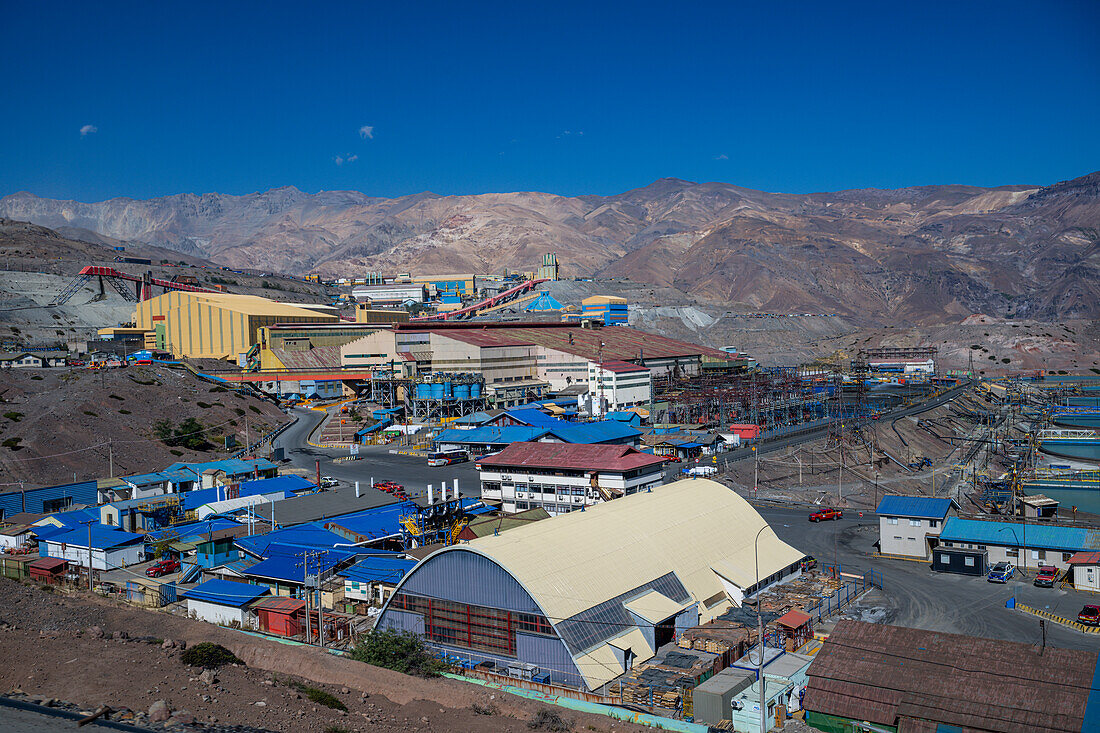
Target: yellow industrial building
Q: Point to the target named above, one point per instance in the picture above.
(218, 325)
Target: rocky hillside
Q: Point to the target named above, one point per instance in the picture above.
(923, 254)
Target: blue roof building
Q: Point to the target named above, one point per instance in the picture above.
(923, 507)
(223, 602)
(110, 548)
(374, 578)
(1025, 545)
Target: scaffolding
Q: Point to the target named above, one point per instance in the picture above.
(431, 398)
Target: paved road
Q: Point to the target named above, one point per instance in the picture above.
(918, 598)
(377, 462)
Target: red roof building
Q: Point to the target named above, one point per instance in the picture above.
(562, 477)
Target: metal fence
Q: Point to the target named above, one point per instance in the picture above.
(855, 585)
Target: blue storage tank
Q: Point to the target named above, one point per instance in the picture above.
(423, 391)
(462, 391)
(437, 391)
(475, 390)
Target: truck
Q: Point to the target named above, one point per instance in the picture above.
(699, 471)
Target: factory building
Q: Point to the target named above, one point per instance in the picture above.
(563, 478)
(618, 385)
(609, 310)
(365, 314)
(390, 294)
(579, 599)
(308, 346)
(438, 285)
(218, 325)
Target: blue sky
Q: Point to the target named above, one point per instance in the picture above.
(148, 99)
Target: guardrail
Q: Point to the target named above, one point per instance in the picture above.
(844, 594)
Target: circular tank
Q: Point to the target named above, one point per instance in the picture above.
(475, 390)
(423, 391)
(462, 391)
(437, 391)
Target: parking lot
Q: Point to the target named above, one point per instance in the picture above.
(916, 597)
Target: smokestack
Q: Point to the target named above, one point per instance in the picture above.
(456, 489)
(356, 489)
(431, 494)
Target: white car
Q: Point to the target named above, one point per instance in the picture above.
(328, 482)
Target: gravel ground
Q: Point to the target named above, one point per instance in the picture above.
(51, 650)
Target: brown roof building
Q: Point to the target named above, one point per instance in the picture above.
(913, 680)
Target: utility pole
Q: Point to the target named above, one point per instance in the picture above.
(111, 456)
(840, 473)
(89, 523)
(306, 593)
(755, 472)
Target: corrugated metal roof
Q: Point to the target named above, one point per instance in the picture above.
(923, 507)
(1085, 558)
(280, 604)
(533, 417)
(621, 367)
(612, 548)
(103, 538)
(379, 569)
(603, 431)
(1012, 534)
(984, 684)
(492, 435)
(225, 592)
(578, 457)
(326, 504)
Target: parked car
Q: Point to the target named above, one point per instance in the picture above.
(809, 564)
(1002, 572)
(163, 567)
(327, 482)
(1089, 615)
(1046, 576)
(825, 514)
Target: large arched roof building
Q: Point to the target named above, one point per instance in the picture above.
(584, 595)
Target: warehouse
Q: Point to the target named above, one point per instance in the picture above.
(218, 325)
(224, 602)
(111, 548)
(607, 309)
(619, 385)
(562, 478)
(390, 294)
(582, 596)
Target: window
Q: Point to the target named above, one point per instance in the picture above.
(1066, 556)
(898, 537)
(57, 505)
(968, 561)
(1012, 553)
(891, 520)
(933, 523)
(473, 627)
(1038, 554)
(914, 522)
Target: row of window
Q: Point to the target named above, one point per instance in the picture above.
(472, 627)
(1014, 552)
(933, 523)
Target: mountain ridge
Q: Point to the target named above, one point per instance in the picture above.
(917, 254)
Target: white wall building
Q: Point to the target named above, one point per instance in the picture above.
(910, 526)
(562, 478)
(619, 384)
(111, 548)
(224, 602)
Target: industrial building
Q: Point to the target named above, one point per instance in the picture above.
(576, 600)
(874, 677)
(438, 285)
(563, 478)
(1022, 544)
(365, 314)
(910, 525)
(609, 310)
(618, 385)
(391, 294)
(218, 325)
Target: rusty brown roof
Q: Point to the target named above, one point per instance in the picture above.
(884, 674)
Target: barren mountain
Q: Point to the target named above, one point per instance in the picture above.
(921, 254)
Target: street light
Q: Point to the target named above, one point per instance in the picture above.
(1020, 549)
(760, 625)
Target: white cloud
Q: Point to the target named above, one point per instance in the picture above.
(366, 132)
(88, 130)
(341, 159)
(721, 156)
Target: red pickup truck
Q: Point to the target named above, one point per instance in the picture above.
(825, 514)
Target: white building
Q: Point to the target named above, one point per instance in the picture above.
(395, 293)
(562, 477)
(619, 385)
(1086, 571)
(224, 602)
(910, 526)
(111, 548)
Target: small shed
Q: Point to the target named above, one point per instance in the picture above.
(963, 562)
(712, 701)
(1039, 506)
(48, 569)
(796, 628)
(281, 616)
(1086, 570)
(223, 602)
